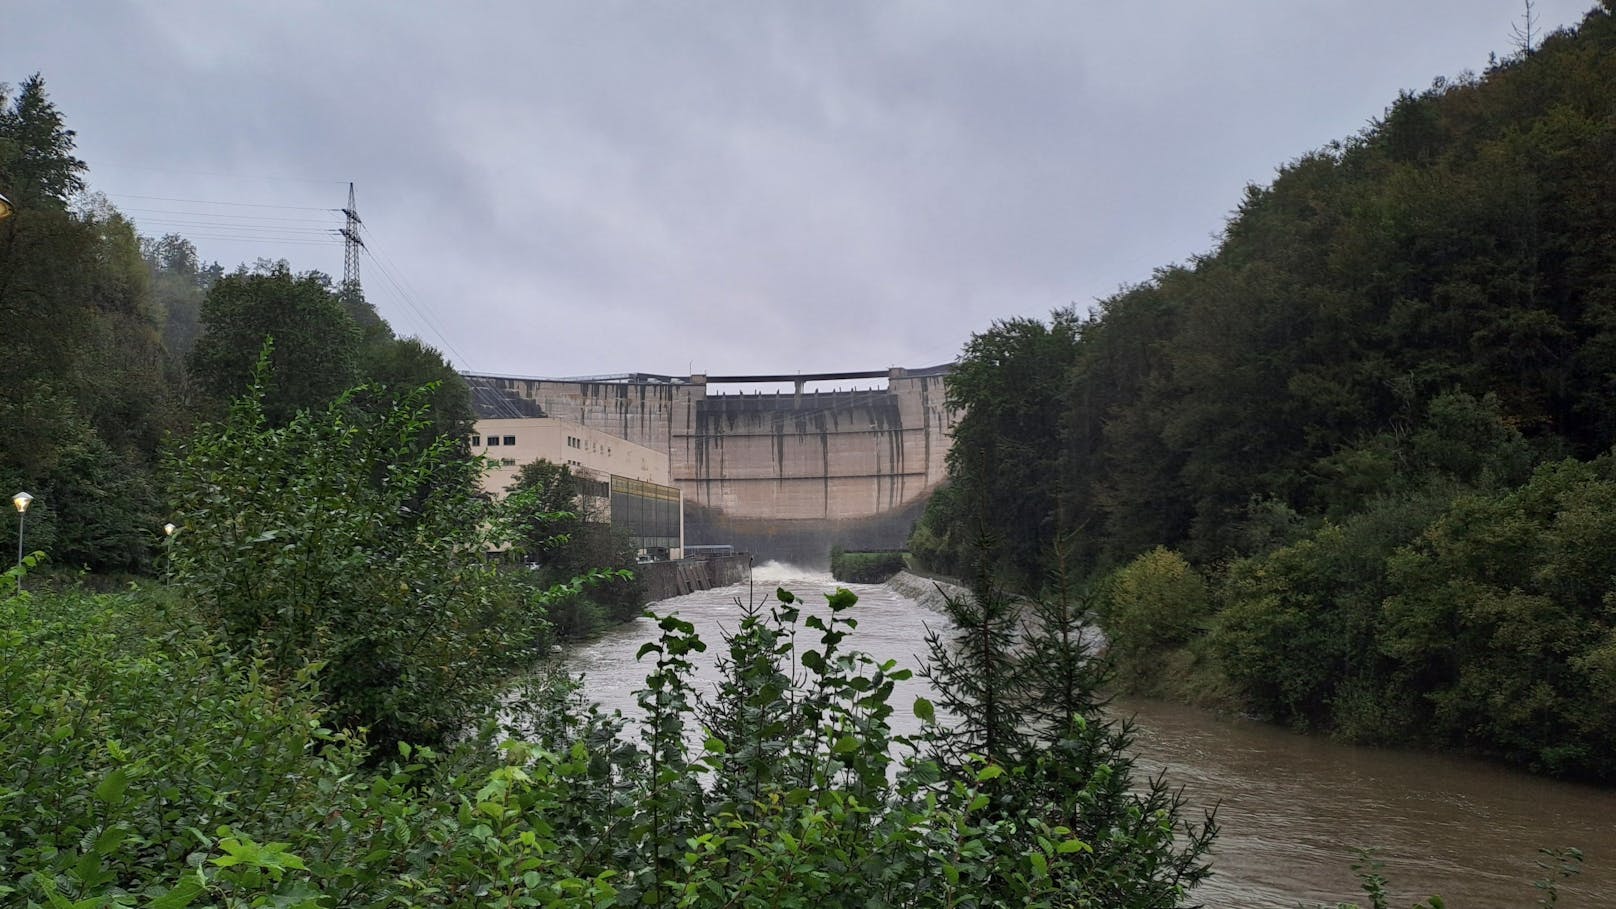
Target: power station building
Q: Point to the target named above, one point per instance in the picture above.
(620, 483)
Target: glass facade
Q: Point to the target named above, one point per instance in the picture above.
(649, 513)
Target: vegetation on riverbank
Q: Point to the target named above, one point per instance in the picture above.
(1351, 469)
(321, 708)
(555, 540)
(318, 711)
(316, 708)
(864, 567)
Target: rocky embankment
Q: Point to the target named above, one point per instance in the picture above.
(933, 594)
(928, 592)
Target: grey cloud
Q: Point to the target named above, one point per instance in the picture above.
(598, 187)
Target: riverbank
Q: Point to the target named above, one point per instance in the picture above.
(932, 593)
(1294, 809)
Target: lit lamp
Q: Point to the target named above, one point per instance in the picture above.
(168, 543)
(20, 502)
(6, 210)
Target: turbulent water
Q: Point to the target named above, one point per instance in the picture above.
(1293, 809)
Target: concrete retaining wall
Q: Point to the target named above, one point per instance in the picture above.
(677, 578)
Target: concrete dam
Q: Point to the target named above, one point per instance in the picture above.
(783, 475)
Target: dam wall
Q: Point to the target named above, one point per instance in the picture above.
(784, 475)
(814, 456)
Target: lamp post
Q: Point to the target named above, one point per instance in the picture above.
(168, 545)
(20, 502)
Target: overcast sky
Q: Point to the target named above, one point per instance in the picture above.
(597, 187)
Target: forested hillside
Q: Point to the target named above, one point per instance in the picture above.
(116, 342)
(1351, 468)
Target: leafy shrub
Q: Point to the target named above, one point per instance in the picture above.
(161, 770)
(1155, 602)
(341, 538)
(133, 738)
(864, 567)
(1499, 621)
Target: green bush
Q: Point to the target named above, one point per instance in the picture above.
(1499, 621)
(144, 764)
(131, 739)
(342, 538)
(864, 567)
(1154, 603)
(1298, 631)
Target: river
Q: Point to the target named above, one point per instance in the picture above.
(1293, 809)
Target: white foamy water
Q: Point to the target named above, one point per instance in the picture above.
(890, 627)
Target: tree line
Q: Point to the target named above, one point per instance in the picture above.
(1352, 467)
(118, 342)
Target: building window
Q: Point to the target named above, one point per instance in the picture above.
(493, 440)
(510, 440)
(476, 440)
(508, 462)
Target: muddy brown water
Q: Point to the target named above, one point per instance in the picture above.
(1293, 809)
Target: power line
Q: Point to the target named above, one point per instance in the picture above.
(392, 273)
(205, 173)
(231, 226)
(214, 202)
(295, 241)
(224, 214)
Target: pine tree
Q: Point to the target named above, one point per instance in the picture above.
(37, 166)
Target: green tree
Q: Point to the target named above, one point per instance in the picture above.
(340, 538)
(402, 365)
(316, 349)
(1022, 685)
(551, 527)
(1498, 623)
(85, 391)
(37, 166)
(1154, 603)
(548, 507)
(179, 283)
(1008, 384)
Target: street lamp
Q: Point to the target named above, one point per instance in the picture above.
(168, 544)
(20, 502)
(6, 208)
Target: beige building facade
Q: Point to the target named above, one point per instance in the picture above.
(510, 443)
(621, 483)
